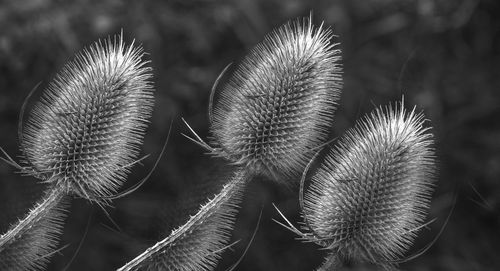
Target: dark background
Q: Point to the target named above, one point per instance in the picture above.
(443, 55)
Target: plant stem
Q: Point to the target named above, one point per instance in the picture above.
(222, 206)
(29, 243)
(332, 262)
(48, 202)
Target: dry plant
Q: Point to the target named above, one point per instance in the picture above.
(81, 139)
(366, 200)
(270, 117)
(371, 193)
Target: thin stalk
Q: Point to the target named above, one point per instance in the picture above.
(213, 223)
(48, 202)
(29, 244)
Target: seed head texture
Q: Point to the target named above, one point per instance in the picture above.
(372, 193)
(88, 126)
(279, 103)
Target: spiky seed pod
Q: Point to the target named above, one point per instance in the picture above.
(372, 192)
(81, 138)
(279, 103)
(28, 245)
(198, 244)
(275, 109)
(86, 130)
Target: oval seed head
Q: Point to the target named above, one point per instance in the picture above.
(279, 103)
(372, 193)
(87, 128)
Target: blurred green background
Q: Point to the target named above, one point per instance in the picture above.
(442, 55)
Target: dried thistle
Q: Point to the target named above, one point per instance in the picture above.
(278, 105)
(371, 194)
(87, 128)
(270, 116)
(81, 138)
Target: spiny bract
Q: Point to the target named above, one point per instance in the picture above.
(86, 130)
(279, 104)
(372, 193)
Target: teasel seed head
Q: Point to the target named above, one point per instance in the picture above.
(87, 128)
(279, 103)
(372, 193)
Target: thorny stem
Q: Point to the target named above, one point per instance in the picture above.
(238, 182)
(50, 201)
(332, 262)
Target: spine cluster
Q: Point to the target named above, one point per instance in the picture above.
(372, 192)
(278, 105)
(87, 128)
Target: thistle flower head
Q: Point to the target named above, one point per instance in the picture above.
(279, 103)
(86, 130)
(372, 193)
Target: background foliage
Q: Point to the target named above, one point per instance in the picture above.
(443, 55)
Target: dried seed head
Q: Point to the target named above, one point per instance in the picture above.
(279, 103)
(87, 129)
(372, 193)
